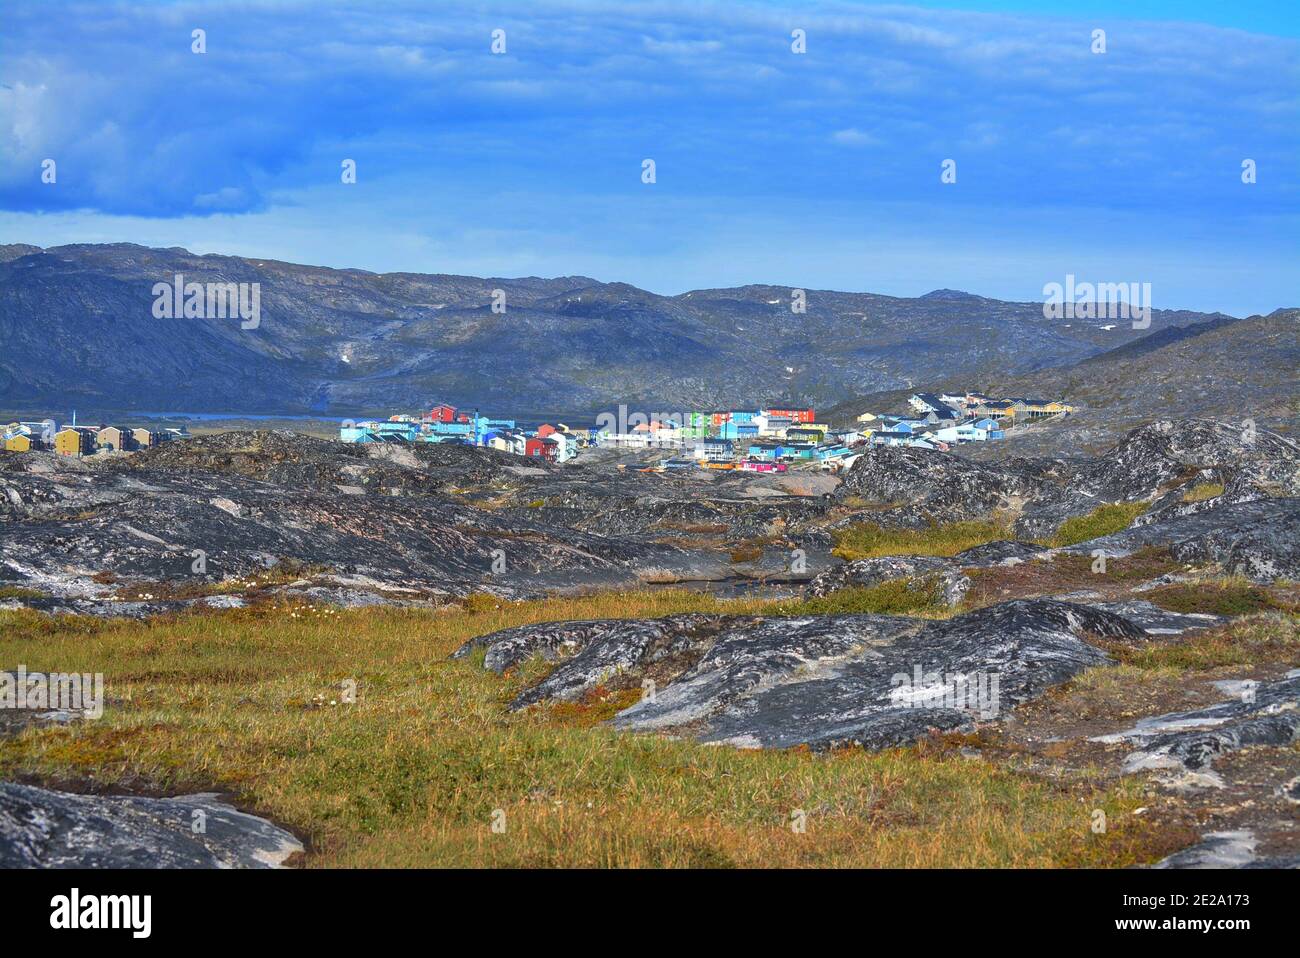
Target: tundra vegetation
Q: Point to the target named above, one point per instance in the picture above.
(249, 702)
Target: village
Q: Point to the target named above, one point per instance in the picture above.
(761, 440)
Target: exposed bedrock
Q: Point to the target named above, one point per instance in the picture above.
(1260, 713)
(40, 828)
(1160, 461)
(1259, 539)
(823, 681)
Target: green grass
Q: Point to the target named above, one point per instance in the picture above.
(1102, 521)
(868, 539)
(410, 775)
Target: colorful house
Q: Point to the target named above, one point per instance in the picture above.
(737, 430)
(115, 438)
(794, 415)
(540, 448)
(75, 441)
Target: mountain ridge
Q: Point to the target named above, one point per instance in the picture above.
(77, 328)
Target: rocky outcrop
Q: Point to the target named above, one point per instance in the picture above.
(821, 681)
(923, 573)
(66, 524)
(943, 574)
(1160, 461)
(1264, 713)
(1258, 539)
(40, 828)
(1154, 620)
(596, 650)
(930, 486)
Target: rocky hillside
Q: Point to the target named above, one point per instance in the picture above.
(1244, 369)
(77, 330)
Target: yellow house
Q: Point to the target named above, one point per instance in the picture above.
(144, 437)
(19, 442)
(74, 442)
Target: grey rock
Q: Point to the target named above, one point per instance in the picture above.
(998, 552)
(1192, 740)
(40, 828)
(1153, 620)
(924, 571)
(822, 681)
(1168, 455)
(1259, 540)
(1234, 849)
(934, 486)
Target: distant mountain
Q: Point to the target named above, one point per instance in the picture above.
(77, 330)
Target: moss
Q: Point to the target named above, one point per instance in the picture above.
(1103, 521)
(750, 551)
(1268, 638)
(480, 602)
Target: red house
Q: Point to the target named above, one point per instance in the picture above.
(794, 415)
(543, 448)
(443, 413)
(544, 430)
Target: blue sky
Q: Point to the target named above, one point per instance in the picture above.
(819, 170)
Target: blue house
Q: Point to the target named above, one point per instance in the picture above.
(737, 430)
(892, 438)
(380, 431)
(449, 432)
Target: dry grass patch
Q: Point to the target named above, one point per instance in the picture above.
(1227, 597)
(1065, 573)
(895, 597)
